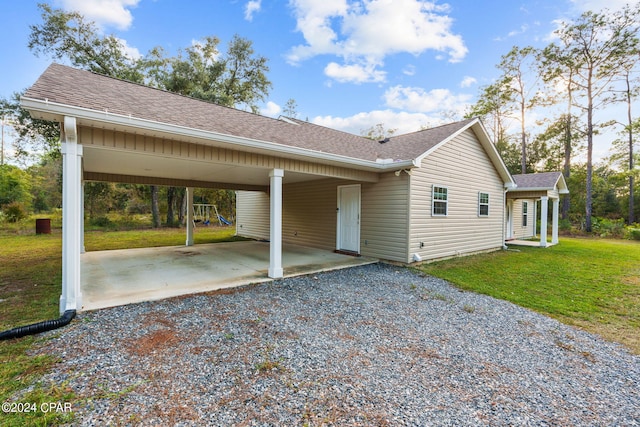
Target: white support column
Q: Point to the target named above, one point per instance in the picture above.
(275, 246)
(554, 226)
(82, 248)
(535, 218)
(544, 211)
(189, 196)
(71, 298)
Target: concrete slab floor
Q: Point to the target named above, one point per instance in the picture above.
(533, 243)
(119, 277)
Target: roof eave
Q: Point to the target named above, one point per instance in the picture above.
(524, 189)
(56, 112)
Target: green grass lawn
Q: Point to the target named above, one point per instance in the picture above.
(30, 278)
(594, 284)
(590, 283)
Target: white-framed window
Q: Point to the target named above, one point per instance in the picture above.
(483, 204)
(439, 200)
(525, 213)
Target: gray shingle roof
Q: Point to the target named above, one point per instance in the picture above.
(412, 145)
(78, 88)
(538, 181)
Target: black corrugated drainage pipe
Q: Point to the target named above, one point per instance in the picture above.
(36, 328)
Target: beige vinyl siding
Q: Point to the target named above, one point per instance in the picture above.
(520, 232)
(464, 168)
(252, 214)
(384, 220)
(310, 216)
(309, 213)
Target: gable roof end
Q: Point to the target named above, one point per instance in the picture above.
(443, 134)
(541, 182)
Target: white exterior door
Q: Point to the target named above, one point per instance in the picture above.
(348, 238)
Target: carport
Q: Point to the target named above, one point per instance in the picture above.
(116, 131)
(111, 278)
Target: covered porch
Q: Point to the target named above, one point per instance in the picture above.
(541, 189)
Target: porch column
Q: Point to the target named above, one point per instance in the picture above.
(275, 245)
(189, 195)
(535, 218)
(554, 224)
(544, 208)
(72, 218)
(82, 248)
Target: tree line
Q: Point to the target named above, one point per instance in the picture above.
(235, 78)
(590, 67)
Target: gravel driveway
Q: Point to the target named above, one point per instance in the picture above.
(373, 346)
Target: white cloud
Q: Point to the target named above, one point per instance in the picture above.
(130, 51)
(402, 122)
(468, 81)
(114, 13)
(252, 7)
(409, 70)
(366, 32)
(271, 109)
(523, 29)
(598, 5)
(354, 73)
(418, 100)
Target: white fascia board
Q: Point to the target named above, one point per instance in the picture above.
(492, 151)
(421, 157)
(525, 189)
(561, 185)
(56, 111)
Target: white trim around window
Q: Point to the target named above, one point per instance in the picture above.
(439, 200)
(483, 204)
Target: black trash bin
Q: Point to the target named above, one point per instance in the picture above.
(43, 226)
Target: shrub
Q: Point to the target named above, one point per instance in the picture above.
(100, 221)
(605, 227)
(564, 225)
(14, 212)
(633, 233)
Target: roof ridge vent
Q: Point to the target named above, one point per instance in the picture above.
(384, 141)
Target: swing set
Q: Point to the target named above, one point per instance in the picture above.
(202, 214)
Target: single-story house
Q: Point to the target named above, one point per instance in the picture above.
(430, 194)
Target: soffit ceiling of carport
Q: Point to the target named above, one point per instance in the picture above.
(116, 162)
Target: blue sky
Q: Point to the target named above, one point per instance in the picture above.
(348, 64)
